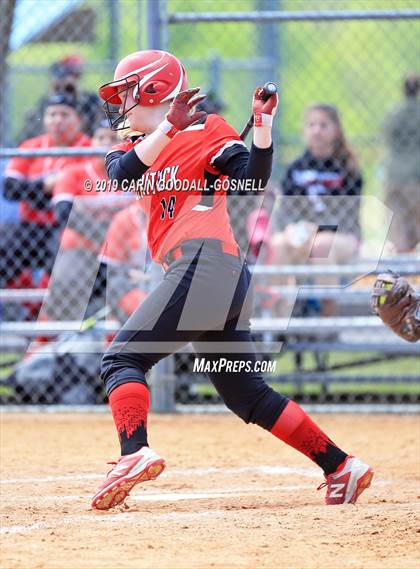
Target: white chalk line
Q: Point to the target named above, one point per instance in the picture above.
(267, 470)
(169, 496)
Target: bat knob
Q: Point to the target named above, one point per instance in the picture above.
(269, 89)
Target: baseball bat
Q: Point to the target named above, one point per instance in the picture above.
(91, 321)
(269, 89)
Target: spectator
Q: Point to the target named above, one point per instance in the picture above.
(319, 214)
(125, 255)
(31, 181)
(84, 216)
(320, 211)
(65, 76)
(402, 185)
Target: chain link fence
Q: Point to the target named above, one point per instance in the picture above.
(344, 189)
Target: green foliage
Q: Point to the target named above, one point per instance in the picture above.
(311, 388)
(402, 366)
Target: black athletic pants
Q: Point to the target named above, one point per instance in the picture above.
(205, 298)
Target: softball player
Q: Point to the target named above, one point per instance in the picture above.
(205, 296)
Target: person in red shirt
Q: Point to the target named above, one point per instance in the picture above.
(84, 213)
(31, 182)
(205, 296)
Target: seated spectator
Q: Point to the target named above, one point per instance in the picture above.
(125, 255)
(402, 167)
(30, 244)
(84, 215)
(65, 76)
(319, 213)
(320, 209)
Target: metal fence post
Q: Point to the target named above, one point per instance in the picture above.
(139, 18)
(215, 74)
(162, 386)
(154, 39)
(114, 27)
(8, 9)
(268, 47)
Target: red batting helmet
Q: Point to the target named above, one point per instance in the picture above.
(158, 76)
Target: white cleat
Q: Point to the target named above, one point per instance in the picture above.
(346, 484)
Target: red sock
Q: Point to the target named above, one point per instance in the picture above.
(130, 405)
(297, 429)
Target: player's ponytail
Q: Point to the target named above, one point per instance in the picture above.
(343, 153)
(127, 132)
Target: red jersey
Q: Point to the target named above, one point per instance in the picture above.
(176, 215)
(100, 206)
(33, 169)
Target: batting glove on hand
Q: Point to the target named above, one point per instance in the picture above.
(179, 116)
(264, 110)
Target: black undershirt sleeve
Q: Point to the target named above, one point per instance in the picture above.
(124, 166)
(240, 164)
(16, 189)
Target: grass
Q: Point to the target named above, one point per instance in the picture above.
(401, 366)
(5, 391)
(6, 363)
(311, 388)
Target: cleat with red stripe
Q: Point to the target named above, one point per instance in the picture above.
(345, 485)
(130, 470)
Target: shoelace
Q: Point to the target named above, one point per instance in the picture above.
(114, 463)
(325, 483)
(328, 478)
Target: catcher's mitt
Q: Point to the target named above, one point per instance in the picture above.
(395, 301)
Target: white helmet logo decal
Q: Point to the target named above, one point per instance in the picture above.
(177, 89)
(146, 78)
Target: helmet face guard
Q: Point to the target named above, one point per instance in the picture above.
(111, 94)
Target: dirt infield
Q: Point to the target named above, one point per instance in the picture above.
(232, 496)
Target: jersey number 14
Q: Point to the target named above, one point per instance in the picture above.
(167, 207)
